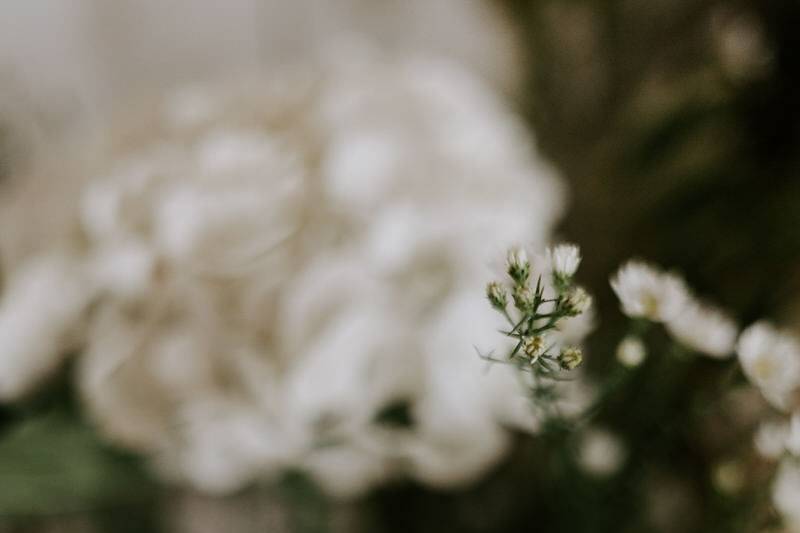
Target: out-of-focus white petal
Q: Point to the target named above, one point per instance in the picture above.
(40, 309)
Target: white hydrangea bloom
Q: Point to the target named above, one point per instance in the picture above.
(647, 292)
(286, 261)
(80, 59)
(704, 328)
(771, 360)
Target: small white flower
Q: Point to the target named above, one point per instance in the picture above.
(771, 360)
(793, 436)
(533, 347)
(770, 439)
(570, 358)
(705, 329)
(518, 264)
(517, 257)
(600, 452)
(578, 301)
(565, 259)
(646, 292)
(524, 298)
(631, 351)
(497, 295)
(786, 492)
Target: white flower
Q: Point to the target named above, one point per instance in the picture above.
(578, 301)
(517, 257)
(497, 295)
(600, 452)
(786, 492)
(570, 358)
(646, 292)
(564, 259)
(518, 264)
(631, 351)
(793, 437)
(770, 439)
(705, 329)
(269, 279)
(771, 360)
(533, 347)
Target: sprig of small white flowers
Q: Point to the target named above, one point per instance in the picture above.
(769, 357)
(535, 310)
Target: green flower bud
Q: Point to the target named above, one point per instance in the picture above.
(497, 296)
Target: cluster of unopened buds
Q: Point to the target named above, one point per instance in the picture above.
(537, 307)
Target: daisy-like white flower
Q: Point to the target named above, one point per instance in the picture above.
(647, 292)
(771, 360)
(631, 351)
(786, 493)
(564, 259)
(770, 439)
(704, 328)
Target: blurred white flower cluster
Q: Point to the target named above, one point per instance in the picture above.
(769, 358)
(280, 274)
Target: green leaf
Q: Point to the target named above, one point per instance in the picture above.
(54, 464)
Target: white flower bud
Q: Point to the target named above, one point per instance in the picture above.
(570, 358)
(577, 301)
(518, 264)
(565, 259)
(533, 347)
(496, 294)
(523, 298)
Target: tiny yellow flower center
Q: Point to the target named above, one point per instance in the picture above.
(764, 367)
